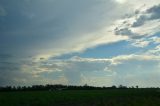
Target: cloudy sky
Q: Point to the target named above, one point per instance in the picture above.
(98, 42)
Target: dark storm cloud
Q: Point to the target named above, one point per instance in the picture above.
(140, 21)
(152, 13)
(123, 31)
(155, 12)
(34, 26)
(126, 32)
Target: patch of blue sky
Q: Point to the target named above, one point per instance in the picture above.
(105, 51)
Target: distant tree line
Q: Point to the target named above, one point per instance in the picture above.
(58, 87)
(50, 87)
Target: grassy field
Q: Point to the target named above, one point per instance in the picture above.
(115, 97)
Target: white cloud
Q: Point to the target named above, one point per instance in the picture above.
(121, 1)
(140, 25)
(156, 39)
(95, 71)
(117, 70)
(154, 51)
(140, 43)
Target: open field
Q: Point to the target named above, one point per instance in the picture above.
(111, 97)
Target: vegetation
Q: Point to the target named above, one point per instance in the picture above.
(54, 87)
(86, 96)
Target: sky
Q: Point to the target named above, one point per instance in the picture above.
(77, 42)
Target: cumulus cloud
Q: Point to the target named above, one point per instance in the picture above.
(140, 43)
(140, 26)
(94, 71)
(138, 70)
(117, 70)
(150, 14)
(154, 11)
(140, 21)
(126, 32)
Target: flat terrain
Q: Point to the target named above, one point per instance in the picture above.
(114, 97)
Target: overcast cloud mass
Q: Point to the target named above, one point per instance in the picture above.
(98, 42)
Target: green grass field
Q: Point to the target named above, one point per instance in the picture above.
(115, 97)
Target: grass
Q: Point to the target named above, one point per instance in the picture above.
(114, 97)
